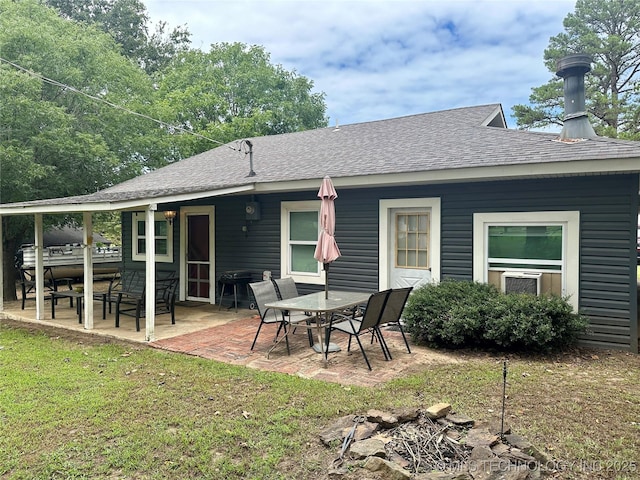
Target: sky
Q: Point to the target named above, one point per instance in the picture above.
(384, 59)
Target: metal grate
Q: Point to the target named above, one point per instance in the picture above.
(521, 285)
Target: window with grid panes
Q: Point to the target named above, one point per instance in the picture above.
(412, 240)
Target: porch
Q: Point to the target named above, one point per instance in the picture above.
(223, 335)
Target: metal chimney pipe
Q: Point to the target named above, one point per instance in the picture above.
(576, 121)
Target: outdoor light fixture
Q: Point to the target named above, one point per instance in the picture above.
(169, 215)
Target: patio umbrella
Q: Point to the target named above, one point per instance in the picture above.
(327, 249)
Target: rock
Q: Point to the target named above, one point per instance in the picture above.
(365, 430)
(519, 457)
(481, 453)
(385, 419)
(438, 410)
(334, 431)
(459, 419)
(399, 459)
(500, 449)
(454, 435)
(406, 414)
(389, 470)
(518, 441)
(367, 448)
(480, 437)
(341, 428)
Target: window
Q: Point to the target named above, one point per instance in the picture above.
(536, 247)
(412, 240)
(544, 242)
(299, 229)
(163, 240)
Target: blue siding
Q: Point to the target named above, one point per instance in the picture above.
(608, 207)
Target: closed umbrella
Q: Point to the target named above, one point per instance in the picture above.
(327, 249)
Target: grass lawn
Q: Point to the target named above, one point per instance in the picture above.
(76, 407)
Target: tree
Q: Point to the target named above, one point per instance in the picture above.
(128, 24)
(55, 141)
(608, 31)
(62, 134)
(233, 91)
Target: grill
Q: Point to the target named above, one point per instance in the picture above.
(233, 278)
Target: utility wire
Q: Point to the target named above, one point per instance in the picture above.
(113, 105)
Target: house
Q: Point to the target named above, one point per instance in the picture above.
(449, 194)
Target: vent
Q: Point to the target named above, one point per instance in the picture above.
(521, 282)
(572, 69)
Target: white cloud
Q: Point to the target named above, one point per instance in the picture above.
(383, 59)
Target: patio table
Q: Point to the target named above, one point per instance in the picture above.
(321, 307)
(70, 294)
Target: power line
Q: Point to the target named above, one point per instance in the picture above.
(110, 104)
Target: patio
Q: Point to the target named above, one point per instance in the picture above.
(224, 335)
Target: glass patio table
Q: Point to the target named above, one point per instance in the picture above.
(321, 308)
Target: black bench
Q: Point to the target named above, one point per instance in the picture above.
(131, 297)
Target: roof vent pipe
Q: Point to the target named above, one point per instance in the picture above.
(576, 121)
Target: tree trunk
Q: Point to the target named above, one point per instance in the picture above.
(9, 273)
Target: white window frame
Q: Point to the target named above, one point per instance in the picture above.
(140, 257)
(285, 258)
(570, 220)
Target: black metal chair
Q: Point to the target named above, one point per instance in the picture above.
(393, 311)
(369, 322)
(131, 299)
(28, 282)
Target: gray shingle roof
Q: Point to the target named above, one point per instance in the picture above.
(439, 141)
(434, 141)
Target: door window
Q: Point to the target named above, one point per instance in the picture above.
(412, 240)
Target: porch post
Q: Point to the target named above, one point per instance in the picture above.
(150, 262)
(38, 245)
(1, 268)
(87, 245)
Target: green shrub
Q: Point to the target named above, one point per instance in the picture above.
(471, 314)
(450, 313)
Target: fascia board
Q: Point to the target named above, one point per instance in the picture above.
(51, 208)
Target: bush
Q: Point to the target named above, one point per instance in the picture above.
(470, 314)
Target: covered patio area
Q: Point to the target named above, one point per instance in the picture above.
(223, 335)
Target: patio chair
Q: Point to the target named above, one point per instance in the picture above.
(28, 282)
(393, 311)
(265, 292)
(131, 299)
(369, 322)
(286, 288)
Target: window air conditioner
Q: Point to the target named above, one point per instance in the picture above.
(521, 282)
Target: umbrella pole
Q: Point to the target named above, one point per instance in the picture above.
(326, 280)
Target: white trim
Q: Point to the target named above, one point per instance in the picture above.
(424, 177)
(199, 210)
(570, 243)
(138, 203)
(285, 270)
(142, 257)
(431, 204)
(150, 273)
(468, 174)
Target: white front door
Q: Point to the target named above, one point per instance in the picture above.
(409, 242)
(198, 267)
